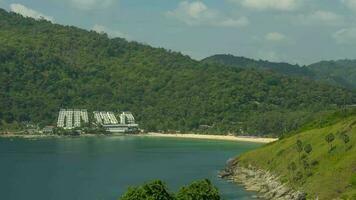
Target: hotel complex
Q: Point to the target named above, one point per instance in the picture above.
(76, 118)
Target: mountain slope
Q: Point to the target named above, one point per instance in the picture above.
(323, 173)
(242, 62)
(45, 67)
(340, 73)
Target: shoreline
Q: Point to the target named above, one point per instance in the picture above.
(214, 137)
(266, 184)
(252, 139)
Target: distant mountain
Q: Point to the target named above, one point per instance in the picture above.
(242, 62)
(45, 67)
(340, 73)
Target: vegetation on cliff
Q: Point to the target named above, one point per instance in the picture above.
(320, 160)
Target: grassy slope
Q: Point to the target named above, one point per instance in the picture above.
(335, 174)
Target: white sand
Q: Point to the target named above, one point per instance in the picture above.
(215, 137)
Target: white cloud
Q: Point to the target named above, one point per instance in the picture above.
(197, 13)
(275, 37)
(350, 4)
(242, 21)
(322, 17)
(111, 33)
(283, 5)
(27, 12)
(91, 4)
(345, 36)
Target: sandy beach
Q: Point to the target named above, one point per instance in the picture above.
(172, 135)
(215, 137)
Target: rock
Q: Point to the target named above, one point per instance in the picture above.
(263, 182)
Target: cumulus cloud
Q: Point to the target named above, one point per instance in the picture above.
(283, 5)
(28, 12)
(242, 21)
(350, 4)
(322, 17)
(111, 33)
(275, 37)
(91, 4)
(197, 13)
(345, 36)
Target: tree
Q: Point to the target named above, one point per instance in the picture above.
(329, 139)
(154, 190)
(157, 190)
(308, 148)
(345, 138)
(198, 190)
(299, 147)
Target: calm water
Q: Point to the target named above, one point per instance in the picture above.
(101, 168)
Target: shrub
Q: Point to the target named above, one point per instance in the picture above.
(198, 190)
(155, 190)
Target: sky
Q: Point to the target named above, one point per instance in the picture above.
(294, 31)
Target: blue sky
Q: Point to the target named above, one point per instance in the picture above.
(295, 31)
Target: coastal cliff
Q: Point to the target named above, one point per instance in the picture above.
(315, 163)
(267, 185)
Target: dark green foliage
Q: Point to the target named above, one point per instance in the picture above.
(157, 190)
(329, 139)
(199, 190)
(299, 147)
(45, 67)
(308, 148)
(345, 138)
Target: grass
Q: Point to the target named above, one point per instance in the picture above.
(322, 173)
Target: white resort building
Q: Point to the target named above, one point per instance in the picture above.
(74, 118)
(69, 118)
(109, 121)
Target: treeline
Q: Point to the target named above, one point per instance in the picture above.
(45, 67)
(340, 73)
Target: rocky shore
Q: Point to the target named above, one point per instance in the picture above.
(263, 182)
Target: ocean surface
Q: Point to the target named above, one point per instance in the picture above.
(101, 168)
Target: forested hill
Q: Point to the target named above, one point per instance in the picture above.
(340, 73)
(242, 62)
(45, 67)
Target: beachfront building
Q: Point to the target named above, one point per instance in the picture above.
(72, 118)
(109, 121)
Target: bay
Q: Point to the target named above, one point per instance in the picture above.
(102, 168)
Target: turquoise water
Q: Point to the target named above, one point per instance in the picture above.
(101, 168)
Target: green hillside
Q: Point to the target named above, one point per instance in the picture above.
(45, 67)
(340, 73)
(328, 171)
(242, 62)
